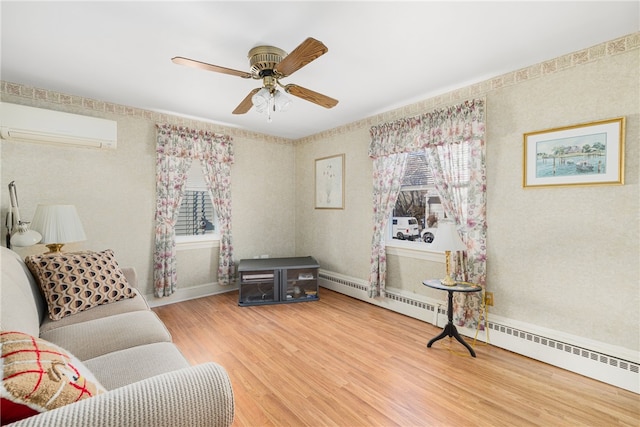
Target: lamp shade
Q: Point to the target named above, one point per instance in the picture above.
(447, 237)
(58, 224)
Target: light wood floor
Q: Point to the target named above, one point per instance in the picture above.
(343, 362)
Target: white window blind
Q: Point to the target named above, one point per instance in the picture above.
(196, 215)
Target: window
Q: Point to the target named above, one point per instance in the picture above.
(419, 199)
(197, 220)
(196, 214)
(418, 203)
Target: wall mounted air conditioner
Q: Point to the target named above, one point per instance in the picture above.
(28, 124)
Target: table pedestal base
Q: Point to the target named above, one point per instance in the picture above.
(451, 331)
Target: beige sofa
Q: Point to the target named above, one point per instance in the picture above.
(130, 353)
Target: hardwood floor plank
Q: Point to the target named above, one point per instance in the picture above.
(342, 362)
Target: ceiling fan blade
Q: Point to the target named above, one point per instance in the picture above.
(306, 52)
(209, 67)
(311, 96)
(246, 103)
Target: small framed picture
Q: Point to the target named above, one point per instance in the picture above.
(585, 154)
(330, 182)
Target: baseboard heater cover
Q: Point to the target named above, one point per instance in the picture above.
(625, 373)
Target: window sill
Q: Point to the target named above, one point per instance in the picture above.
(202, 241)
(417, 250)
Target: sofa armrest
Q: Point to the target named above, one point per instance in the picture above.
(131, 275)
(200, 395)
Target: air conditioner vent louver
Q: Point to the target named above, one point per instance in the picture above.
(28, 124)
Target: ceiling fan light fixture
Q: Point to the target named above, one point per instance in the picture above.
(268, 100)
(261, 100)
(282, 101)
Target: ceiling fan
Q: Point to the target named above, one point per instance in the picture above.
(270, 64)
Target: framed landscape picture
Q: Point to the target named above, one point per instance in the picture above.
(330, 182)
(585, 154)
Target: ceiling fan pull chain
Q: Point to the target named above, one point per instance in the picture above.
(272, 106)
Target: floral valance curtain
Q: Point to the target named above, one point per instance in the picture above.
(454, 124)
(453, 139)
(176, 149)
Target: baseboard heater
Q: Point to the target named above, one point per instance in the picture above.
(603, 367)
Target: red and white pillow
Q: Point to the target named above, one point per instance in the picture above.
(38, 376)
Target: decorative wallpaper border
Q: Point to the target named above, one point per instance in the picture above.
(585, 56)
(53, 97)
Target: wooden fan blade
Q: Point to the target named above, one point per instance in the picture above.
(311, 96)
(246, 103)
(209, 67)
(306, 52)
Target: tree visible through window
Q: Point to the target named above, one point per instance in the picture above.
(418, 199)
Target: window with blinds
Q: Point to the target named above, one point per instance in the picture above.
(196, 216)
(418, 197)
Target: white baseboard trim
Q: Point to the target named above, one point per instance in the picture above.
(613, 365)
(192, 292)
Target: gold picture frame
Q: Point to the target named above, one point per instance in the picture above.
(329, 182)
(583, 154)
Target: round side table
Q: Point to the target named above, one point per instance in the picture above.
(450, 329)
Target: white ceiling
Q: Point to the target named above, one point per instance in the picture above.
(382, 55)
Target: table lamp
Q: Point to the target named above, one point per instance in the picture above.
(23, 236)
(58, 225)
(446, 240)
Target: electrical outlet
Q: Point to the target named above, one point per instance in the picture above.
(488, 298)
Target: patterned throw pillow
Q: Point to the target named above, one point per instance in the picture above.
(38, 376)
(74, 282)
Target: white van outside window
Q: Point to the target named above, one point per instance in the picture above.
(405, 228)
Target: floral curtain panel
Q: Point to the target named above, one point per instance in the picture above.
(453, 139)
(176, 148)
(387, 179)
(216, 168)
(455, 148)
